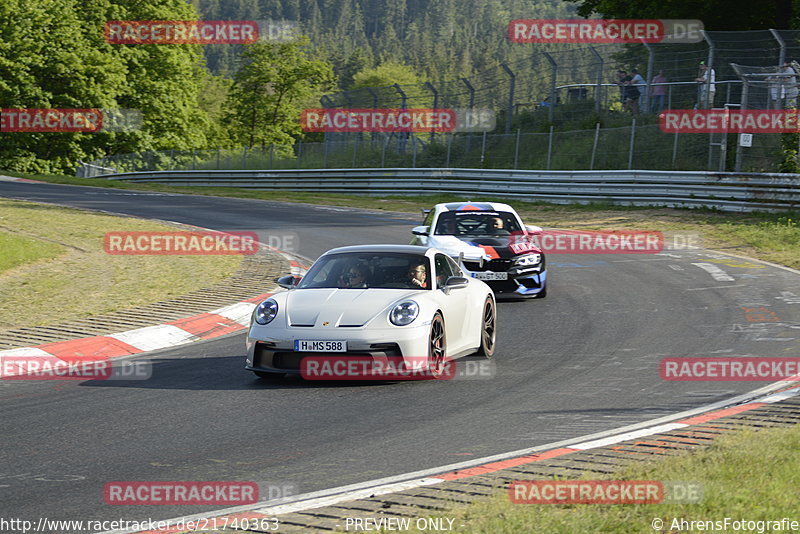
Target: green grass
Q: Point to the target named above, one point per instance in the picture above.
(57, 270)
(17, 250)
(745, 475)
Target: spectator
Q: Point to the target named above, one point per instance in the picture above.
(776, 89)
(621, 74)
(658, 91)
(789, 84)
(708, 87)
(630, 95)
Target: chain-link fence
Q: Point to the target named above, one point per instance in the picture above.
(548, 109)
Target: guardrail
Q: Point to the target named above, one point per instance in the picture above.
(725, 191)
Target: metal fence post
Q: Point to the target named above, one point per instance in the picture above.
(594, 145)
(374, 106)
(194, 159)
(516, 149)
(782, 44)
(383, 151)
(219, 149)
(674, 150)
(710, 65)
(483, 147)
(299, 153)
(244, 157)
(355, 151)
(325, 155)
(471, 106)
(650, 56)
(553, 95)
(414, 152)
(598, 90)
(430, 86)
(740, 149)
(449, 145)
(633, 138)
(550, 148)
(271, 155)
(512, 86)
(171, 158)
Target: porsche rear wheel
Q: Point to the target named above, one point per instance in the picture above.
(488, 329)
(437, 346)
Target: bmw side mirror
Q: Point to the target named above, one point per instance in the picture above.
(288, 281)
(420, 230)
(535, 230)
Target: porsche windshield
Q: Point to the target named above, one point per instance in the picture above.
(476, 223)
(364, 270)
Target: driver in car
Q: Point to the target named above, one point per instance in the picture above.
(354, 278)
(418, 275)
(447, 227)
(496, 226)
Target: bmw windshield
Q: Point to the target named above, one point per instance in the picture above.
(467, 224)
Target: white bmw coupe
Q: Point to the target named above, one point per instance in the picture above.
(409, 303)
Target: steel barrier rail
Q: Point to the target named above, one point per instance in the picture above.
(724, 191)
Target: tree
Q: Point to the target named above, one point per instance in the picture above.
(264, 104)
(716, 14)
(387, 73)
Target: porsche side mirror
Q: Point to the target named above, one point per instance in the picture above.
(420, 230)
(288, 281)
(456, 282)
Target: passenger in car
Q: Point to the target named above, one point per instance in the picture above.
(418, 275)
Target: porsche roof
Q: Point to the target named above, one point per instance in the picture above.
(408, 249)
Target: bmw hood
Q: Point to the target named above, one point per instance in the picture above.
(486, 247)
(340, 307)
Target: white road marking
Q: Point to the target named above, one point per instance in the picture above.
(238, 313)
(154, 337)
(716, 273)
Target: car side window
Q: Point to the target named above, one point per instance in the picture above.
(454, 268)
(428, 218)
(443, 270)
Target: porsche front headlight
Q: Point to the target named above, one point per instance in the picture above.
(404, 313)
(266, 312)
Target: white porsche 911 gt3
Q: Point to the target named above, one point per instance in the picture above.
(405, 302)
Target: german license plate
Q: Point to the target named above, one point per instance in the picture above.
(489, 275)
(303, 345)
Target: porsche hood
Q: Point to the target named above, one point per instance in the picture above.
(340, 307)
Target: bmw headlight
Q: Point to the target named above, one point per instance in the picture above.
(404, 313)
(266, 311)
(528, 259)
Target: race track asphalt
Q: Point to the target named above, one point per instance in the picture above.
(583, 360)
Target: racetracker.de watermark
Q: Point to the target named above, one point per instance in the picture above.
(181, 243)
(180, 493)
(604, 492)
(745, 369)
(605, 31)
(198, 31)
(588, 242)
(391, 368)
(727, 121)
(416, 120)
(62, 120)
(53, 368)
